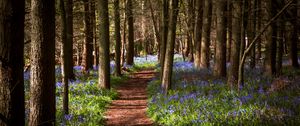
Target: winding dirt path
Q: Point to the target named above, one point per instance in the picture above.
(130, 108)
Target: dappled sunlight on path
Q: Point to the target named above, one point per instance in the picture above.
(130, 107)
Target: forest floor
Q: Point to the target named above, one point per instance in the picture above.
(131, 105)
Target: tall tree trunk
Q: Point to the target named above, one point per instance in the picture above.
(64, 59)
(87, 55)
(229, 30)
(191, 27)
(42, 73)
(270, 61)
(205, 50)
(124, 35)
(198, 32)
(168, 64)
(164, 33)
(104, 65)
(244, 27)
(294, 38)
(279, 41)
(220, 65)
(257, 29)
(11, 63)
(236, 42)
(130, 46)
(155, 27)
(93, 25)
(117, 37)
(251, 30)
(69, 40)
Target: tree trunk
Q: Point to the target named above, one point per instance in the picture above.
(117, 37)
(64, 59)
(87, 57)
(270, 61)
(11, 63)
(251, 30)
(279, 41)
(69, 41)
(104, 65)
(205, 50)
(130, 46)
(164, 33)
(93, 27)
(168, 64)
(229, 30)
(42, 73)
(198, 28)
(294, 38)
(191, 27)
(236, 42)
(220, 64)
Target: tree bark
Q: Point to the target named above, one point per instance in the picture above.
(270, 61)
(42, 73)
(117, 37)
(294, 38)
(69, 41)
(11, 63)
(87, 56)
(168, 64)
(198, 32)
(205, 50)
(236, 42)
(130, 46)
(164, 33)
(104, 65)
(220, 64)
(64, 59)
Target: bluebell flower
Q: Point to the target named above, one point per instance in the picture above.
(59, 84)
(261, 90)
(26, 75)
(80, 118)
(77, 68)
(68, 117)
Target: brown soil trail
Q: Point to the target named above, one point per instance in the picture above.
(130, 108)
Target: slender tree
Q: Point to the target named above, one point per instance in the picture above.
(164, 32)
(130, 46)
(198, 32)
(294, 38)
(167, 71)
(93, 25)
(104, 66)
(11, 63)
(42, 73)
(87, 55)
(270, 61)
(69, 40)
(220, 65)
(205, 42)
(236, 41)
(64, 55)
(117, 37)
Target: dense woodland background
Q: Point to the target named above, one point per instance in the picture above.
(224, 36)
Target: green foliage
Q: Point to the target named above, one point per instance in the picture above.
(87, 103)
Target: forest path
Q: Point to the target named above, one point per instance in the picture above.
(131, 105)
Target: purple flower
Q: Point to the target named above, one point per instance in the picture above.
(59, 84)
(68, 117)
(261, 90)
(80, 119)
